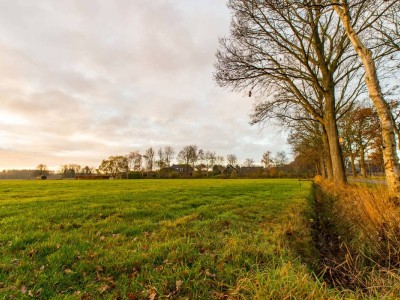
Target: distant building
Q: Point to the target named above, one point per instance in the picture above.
(230, 170)
(182, 169)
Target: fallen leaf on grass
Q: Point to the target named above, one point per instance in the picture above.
(103, 288)
(152, 293)
(99, 269)
(152, 296)
(178, 285)
(131, 296)
(68, 271)
(209, 274)
(23, 289)
(133, 274)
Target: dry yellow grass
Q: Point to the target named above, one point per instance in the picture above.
(367, 226)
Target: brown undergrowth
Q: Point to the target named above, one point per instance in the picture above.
(358, 234)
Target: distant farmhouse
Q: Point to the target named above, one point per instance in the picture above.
(181, 170)
(232, 171)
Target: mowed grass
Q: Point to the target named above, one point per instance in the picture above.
(157, 239)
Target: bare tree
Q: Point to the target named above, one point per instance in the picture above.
(360, 128)
(149, 158)
(135, 161)
(160, 162)
(249, 162)
(306, 140)
(292, 58)
(219, 160)
(209, 159)
(267, 160)
(169, 153)
(373, 11)
(349, 145)
(189, 155)
(281, 159)
(87, 170)
(231, 159)
(42, 169)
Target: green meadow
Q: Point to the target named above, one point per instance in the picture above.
(158, 239)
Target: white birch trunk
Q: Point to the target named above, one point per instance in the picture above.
(391, 161)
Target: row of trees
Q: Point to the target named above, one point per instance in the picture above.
(191, 155)
(310, 63)
(360, 140)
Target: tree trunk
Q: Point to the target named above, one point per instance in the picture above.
(362, 162)
(327, 154)
(353, 166)
(322, 166)
(390, 158)
(339, 176)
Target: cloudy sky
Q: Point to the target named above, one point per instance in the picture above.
(83, 80)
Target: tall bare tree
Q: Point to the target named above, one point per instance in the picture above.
(293, 59)
(373, 10)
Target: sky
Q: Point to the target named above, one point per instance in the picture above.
(83, 80)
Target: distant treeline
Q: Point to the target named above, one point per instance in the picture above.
(18, 174)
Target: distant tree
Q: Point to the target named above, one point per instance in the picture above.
(160, 162)
(201, 156)
(360, 127)
(149, 158)
(70, 170)
(87, 170)
(135, 161)
(267, 160)
(231, 159)
(209, 159)
(281, 159)
(114, 166)
(249, 162)
(189, 155)
(169, 153)
(42, 169)
(309, 147)
(17, 174)
(131, 160)
(219, 160)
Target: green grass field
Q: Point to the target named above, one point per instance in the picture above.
(157, 239)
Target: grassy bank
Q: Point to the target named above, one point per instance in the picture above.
(157, 239)
(359, 237)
